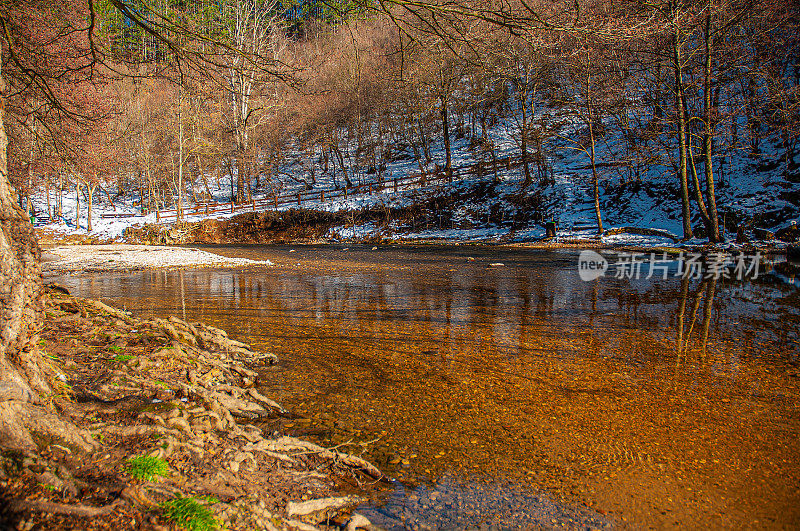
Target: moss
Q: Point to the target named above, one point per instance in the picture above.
(191, 513)
(146, 467)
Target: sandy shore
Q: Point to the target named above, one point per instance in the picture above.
(121, 257)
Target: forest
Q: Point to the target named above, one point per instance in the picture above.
(492, 386)
(161, 103)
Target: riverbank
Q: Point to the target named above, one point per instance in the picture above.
(315, 228)
(122, 257)
(74, 259)
(168, 415)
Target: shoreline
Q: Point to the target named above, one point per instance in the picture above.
(182, 396)
(121, 257)
(321, 227)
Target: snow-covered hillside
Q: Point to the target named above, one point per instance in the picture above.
(495, 205)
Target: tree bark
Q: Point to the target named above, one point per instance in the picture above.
(701, 204)
(179, 207)
(448, 166)
(708, 138)
(680, 110)
(77, 203)
(526, 170)
(592, 157)
(423, 137)
(23, 378)
(240, 176)
(47, 195)
(90, 188)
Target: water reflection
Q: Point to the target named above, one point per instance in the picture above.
(665, 401)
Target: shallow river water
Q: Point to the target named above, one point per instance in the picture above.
(502, 391)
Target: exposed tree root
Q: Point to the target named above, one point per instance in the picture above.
(140, 405)
(20, 420)
(83, 511)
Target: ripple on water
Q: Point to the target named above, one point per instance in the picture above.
(669, 403)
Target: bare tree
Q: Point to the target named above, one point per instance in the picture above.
(253, 29)
(47, 47)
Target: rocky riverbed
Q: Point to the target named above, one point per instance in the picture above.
(168, 415)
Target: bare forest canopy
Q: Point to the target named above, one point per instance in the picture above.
(148, 99)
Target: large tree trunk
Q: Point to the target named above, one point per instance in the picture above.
(24, 376)
(708, 137)
(47, 196)
(60, 198)
(179, 207)
(680, 109)
(701, 204)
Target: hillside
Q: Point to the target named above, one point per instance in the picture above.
(758, 190)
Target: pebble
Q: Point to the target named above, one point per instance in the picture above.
(455, 504)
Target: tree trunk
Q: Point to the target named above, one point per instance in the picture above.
(179, 206)
(209, 197)
(108, 197)
(592, 157)
(77, 204)
(448, 167)
(701, 204)
(340, 158)
(523, 133)
(47, 195)
(90, 188)
(249, 183)
(424, 140)
(680, 109)
(24, 382)
(29, 171)
(60, 199)
(240, 176)
(708, 139)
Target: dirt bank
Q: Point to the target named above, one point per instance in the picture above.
(370, 224)
(169, 414)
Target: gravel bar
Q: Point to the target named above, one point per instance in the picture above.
(74, 258)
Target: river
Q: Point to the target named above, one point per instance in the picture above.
(502, 391)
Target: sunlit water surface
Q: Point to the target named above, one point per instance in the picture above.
(517, 395)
